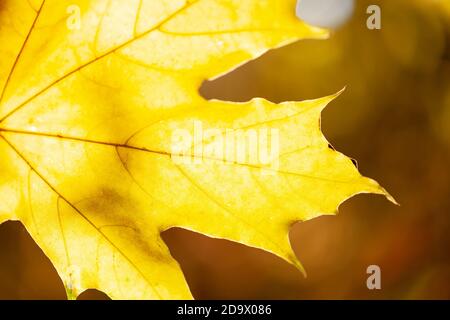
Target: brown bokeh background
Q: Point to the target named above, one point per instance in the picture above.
(394, 118)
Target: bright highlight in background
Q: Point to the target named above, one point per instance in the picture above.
(325, 13)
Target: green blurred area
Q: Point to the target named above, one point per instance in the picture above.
(394, 118)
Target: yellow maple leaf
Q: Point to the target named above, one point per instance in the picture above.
(105, 141)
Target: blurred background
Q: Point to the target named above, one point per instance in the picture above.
(394, 118)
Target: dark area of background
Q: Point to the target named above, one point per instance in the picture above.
(394, 118)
